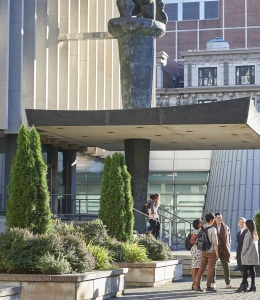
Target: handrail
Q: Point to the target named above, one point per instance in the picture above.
(145, 215)
(175, 215)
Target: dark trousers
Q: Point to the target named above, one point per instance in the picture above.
(155, 227)
(245, 274)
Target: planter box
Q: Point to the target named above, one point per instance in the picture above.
(90, 285)
(153, 274)
(10, 293)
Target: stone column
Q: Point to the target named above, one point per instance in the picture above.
(137, 153)
(29, 55)
(4, 61)
(54, 181)
(15, 66)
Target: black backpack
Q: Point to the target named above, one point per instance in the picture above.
(203, 242)
(188, 245)
(145, 207)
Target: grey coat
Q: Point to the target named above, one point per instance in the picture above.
(249, 254)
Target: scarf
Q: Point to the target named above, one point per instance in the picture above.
(222, 240)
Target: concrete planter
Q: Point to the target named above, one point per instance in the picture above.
(10, 293)
(154, 273)
(90, 285)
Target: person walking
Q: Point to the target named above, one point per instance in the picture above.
(153, 213)
(208, 257)
(196, 254)
(149, 212)
(224, 245)
(249, 257)
(240, 238)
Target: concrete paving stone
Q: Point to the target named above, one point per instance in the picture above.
(182, 290)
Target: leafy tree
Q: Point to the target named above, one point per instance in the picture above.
(116, 203)
(129, 201)
(42, 212)
(22, 190)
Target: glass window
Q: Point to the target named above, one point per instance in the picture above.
(190, 189)
(191, 11)
(207, 76)
(160, 177)
(189, 177)
(211, 10)
(245, 75)
(189, 200)
(172, 11)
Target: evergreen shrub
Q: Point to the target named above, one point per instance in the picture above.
(156, 250)
(102, 256)
(134, 253)
(257, 222)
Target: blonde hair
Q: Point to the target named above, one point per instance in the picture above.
(243, 219)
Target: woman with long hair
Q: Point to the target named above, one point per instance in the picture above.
(249, 257)
(154, 215)
(240, 238)
(196, 254)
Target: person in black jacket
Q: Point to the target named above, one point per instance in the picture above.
(240, 238)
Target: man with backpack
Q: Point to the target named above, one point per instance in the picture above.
(207, 239)
(224, 245)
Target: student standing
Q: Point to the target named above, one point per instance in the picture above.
(196, 254)
(249, 256)
(208, 257)
(154, 214)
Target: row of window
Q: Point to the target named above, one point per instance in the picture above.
(201, 10)
(244, 76)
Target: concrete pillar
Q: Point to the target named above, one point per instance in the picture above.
(10, 150)
(41, 55)
(53, 46)
(15, 66)
(63, 101)
(69, 163)
(29, 55)
(137, 152)
(4, 61)
(54, 181)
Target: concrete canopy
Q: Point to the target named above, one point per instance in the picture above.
(233, 124)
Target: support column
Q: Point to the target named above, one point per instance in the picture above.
(137, 152)
(69, 163)
(54, 181)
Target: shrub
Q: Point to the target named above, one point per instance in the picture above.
(50, 264)
(156, 250)
(115, 248)
(95, 232)
(134, 253)
(80, 259)
(257, 222)
(23, 252)
(102, 257)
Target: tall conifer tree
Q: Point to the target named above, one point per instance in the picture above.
(42, 213)
(22, 190)
(116, 203)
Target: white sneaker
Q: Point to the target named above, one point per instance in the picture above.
(230, 287)
(213, 285)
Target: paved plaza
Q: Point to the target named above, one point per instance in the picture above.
(182, 290)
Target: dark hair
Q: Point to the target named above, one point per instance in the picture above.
(196, 223)
(217, 214)
(152, 197)
(209, 216)
(252, 228)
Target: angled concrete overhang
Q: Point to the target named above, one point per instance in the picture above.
(233, 124)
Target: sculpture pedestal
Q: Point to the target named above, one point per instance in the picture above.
(136, 40)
